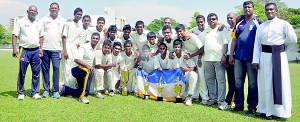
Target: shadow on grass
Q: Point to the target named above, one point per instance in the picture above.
(14, 93)
(243, 113)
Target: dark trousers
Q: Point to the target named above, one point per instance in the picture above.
(54, 56)
(231, 82)
(240, 70)
(84, 78)
(29, 56)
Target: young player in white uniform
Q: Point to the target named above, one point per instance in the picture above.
(84, 71)
(188, 66)
(72, 35)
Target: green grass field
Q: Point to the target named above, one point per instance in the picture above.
(117, 108)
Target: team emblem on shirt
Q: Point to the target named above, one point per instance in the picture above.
(251, 27)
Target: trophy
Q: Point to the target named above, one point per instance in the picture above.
(178, 91)
(160, 89)
(125, 78)
(146, 88)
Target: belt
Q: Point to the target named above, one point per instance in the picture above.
(268, 48)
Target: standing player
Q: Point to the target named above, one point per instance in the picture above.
(53, 25)
(30, 30)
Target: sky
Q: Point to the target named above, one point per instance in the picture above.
(133, 10)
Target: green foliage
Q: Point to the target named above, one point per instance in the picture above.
(193, 23)
(295, 21)
(5, 35)
(157, 24)
(2, 32)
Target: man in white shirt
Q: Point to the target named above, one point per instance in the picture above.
(201, 85)
(72, 35)
(53, 25)
(188, 66)
(168, 39)
(139, 37)
(215, 48)
(117, 59)
(103, 65)
(129, 62)
(167, 22)
(126, 33)
(162, 56)
(194, 47)
(147, 62)
(152, 43)
(112, 34)
(84, 71)
(30, 31)
(269, 57)
(231, 20)
(99, 29)
(200, 20)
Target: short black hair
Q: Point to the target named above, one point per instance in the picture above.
(151, 35)
(139, 23)
(96, 34)
(164, 44)
(180, 26)
(55, 4)
(200, 16)
(127, 42)
(112, 28)
(77, 10)
(107, 43)
(101, 19)
(127, 27)
(177, 42)
(268, 4)
(212, 14)
(117, 44)
(247, 3)
(167, 27)
(86, 16)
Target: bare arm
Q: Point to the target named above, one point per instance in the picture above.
(233, 44)
(80, 62)
(14, 41)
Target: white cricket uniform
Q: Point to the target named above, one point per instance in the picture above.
(139, 40)
(153, 48)
(75, 34)
(169, 45)
(128, 61)
(102, 36)
(196, 31)
(273, 32)
(149, 65)
(163, 62)
(192, 45)
(52, 32)
(201, 86)
(85, 53)
(115, 71)
(191, 76)
(29, 32)
(102, 76)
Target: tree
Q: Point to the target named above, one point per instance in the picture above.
(157, 24)
(193, 23)
(259, 6)
(2, 32)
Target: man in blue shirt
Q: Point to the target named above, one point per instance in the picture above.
(242, 46)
